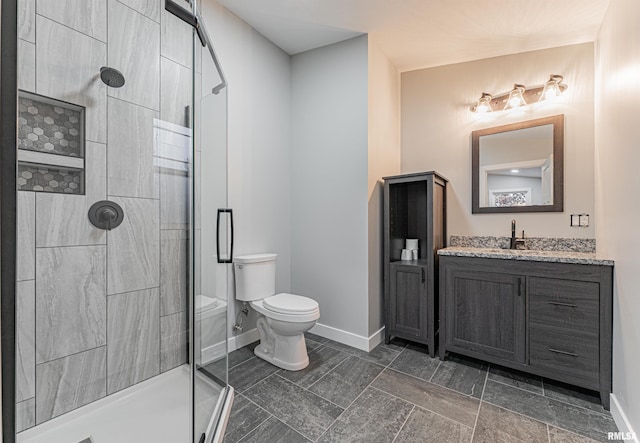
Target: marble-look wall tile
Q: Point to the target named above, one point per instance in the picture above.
(26, 240)
(134, 49)
(173, 340)
(134, 247)
(134, 338)
(25, 414)
(70, 301)
(25, 340)
(86, 16)
(62, 219)
(68, 68)
(27, 20)
(174, 195)
(176, 39)
(173, 271)
(130, 154)
(148, 8)
(26, 66)
(70, 382)
(175, 93)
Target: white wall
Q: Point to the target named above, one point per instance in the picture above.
(437, 124)
(384, 160)
(259, 141)
(329, 173)
(617, 182)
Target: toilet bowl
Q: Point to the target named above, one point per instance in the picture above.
(282, 318)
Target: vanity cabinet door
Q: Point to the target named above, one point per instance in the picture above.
(485, 313)
(408, 301)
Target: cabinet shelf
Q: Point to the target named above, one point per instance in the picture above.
(414, 207)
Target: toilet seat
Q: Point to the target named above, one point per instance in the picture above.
(286, 303)
(306, 310)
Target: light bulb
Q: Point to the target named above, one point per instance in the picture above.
(484, 104)
(516, 99)
(551, 88)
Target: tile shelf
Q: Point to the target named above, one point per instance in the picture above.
(41, 158)
(51, 151)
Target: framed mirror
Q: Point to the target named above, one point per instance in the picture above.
(519, 167)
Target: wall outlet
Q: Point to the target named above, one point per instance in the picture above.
(584, 220)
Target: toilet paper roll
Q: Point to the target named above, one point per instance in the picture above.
(411, 243)
(406, 254)
(414, 254)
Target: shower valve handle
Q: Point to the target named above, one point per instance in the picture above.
(106, 215)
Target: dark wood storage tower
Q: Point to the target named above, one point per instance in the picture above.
(414, 207)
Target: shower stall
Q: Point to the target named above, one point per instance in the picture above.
(114, 302)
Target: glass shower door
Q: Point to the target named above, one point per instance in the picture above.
(212, 246)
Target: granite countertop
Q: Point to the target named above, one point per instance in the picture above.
(583, 258)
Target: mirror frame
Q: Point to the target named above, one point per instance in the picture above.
(558, 166)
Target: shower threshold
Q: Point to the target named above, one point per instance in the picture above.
(155, 410)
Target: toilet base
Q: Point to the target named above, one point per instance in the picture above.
(284, 351)
(260, 353)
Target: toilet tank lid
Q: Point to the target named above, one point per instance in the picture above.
(255, 258)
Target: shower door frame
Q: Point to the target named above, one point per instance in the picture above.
(220, 414)
(8, 159)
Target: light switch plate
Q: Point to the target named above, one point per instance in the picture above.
(579, 220)
(575, 220)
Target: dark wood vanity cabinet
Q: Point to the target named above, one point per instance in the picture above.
(409, 300)
(549, 319)
(414, 208)
(485, 313)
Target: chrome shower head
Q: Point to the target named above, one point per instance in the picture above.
(111, 77)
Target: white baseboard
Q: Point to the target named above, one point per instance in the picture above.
(376, 338)
(213, 353)
(241, 340)
(622, 421)
(339, 335)
(349, 338)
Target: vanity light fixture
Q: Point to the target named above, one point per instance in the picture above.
(516, 99)
(552, 88)
(520, 96)
(484, 103)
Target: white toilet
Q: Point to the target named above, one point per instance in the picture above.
(282, 318)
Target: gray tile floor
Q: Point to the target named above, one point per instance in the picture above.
(397, 393)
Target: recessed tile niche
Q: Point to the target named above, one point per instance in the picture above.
(50, 145)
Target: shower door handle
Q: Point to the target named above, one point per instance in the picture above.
(230, 212)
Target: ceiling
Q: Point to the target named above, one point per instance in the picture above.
(424, 33)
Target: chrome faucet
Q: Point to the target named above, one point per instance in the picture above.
(516, 243)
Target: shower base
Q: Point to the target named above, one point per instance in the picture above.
(156, 410)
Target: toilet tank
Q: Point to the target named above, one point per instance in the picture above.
(255, 276)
